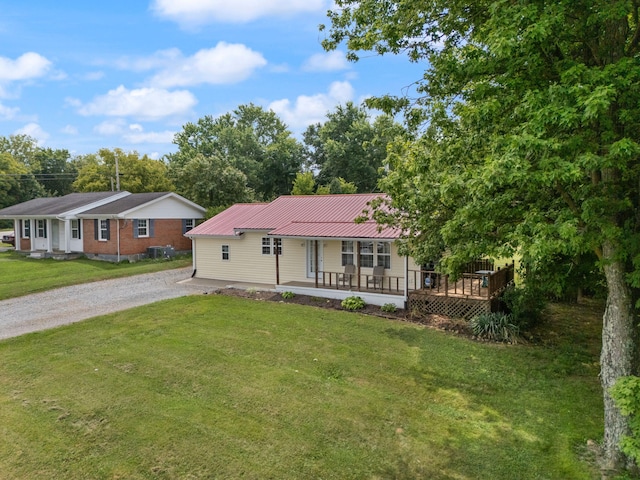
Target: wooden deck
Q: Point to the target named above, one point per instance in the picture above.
(428, 292)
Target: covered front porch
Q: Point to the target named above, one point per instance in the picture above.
(423, 290)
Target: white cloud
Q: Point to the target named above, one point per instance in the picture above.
(69, 130)
(144, 103)
(110, 127)
(25, 67)
(224, 64)
(7, 113)
(160, 59)
(34, 130)
(307, 110)
(326, 62)
(150, 137)
(191, 13)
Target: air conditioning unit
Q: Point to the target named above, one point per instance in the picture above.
(161, 252)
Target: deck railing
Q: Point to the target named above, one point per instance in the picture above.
(345, 281)
(486, 284)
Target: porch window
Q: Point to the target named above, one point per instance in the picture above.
(26, 228)
(269, 246)
(384, 254)
(347, 253)
(225, 252)
(75, 229)
(41, 232)
(366, 254)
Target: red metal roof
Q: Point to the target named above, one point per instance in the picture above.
(329, 216)
(225, 222)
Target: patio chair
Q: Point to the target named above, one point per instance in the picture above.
(377, 278)
(349, 272)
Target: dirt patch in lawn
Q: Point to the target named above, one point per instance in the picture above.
(439, 322)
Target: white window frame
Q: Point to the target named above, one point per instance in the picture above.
(143, 226)
(225, 253)
(383, 254)
(348, 252)
(41, 228)
(269, 245)
(103, 230)
(26, 228)
(188, 224)
(76, 231)
(373, 254)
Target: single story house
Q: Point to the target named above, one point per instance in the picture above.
(111, 226)
(306, 244)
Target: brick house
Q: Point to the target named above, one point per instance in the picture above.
(111, 226)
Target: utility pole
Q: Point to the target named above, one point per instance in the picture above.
(117, 175)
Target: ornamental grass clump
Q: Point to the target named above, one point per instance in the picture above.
(496, 326)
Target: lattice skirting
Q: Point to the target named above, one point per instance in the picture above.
(455, 307)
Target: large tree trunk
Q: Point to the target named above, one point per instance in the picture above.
(618, 354)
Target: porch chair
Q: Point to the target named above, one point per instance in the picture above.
(377, 278)
(349, 272)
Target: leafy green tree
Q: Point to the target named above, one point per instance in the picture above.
(17, 184)
(349, 146)
(22, 148)
(97, 173)
(249, 139)
(304, 184)
(211, 182)
(532, 143)
(55, 171)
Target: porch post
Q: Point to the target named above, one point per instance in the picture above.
(275, 244)
(32, 235)
(315, 261)
(49, 227)
(357, 253)
(67, 235)
(406, 278)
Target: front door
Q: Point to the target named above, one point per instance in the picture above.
(311, 258)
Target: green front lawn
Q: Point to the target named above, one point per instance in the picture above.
(221, 387)
(20, 275)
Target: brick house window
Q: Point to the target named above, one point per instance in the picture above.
(143, 228)
(103, 233)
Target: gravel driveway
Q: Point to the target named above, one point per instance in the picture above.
(79, 302)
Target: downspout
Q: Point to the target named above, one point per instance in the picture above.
(118, 236)
(275, 245)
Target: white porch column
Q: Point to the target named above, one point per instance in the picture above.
(32, 234)
(406, 278)
(49, 235)
(17, 231)
(67, 235)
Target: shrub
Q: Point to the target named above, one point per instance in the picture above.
(498, 327)
(626, 395)
(388, 308)
(353, 303)
(288, 295)
(525, 305)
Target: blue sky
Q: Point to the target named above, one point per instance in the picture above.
(83, 75)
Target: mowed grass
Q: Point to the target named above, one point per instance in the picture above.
(224, 387)
(20, 275)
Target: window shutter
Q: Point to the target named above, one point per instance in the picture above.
(151, 230)
(135, 228)
(108, 230)
(96, 229)
(184, 226)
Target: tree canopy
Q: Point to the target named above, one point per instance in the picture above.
(350, 146)
(97, 172)
(530, 141)
(251, 140)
